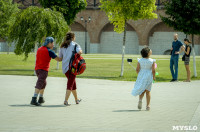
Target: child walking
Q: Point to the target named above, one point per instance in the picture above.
(146, 74)
(43, 58)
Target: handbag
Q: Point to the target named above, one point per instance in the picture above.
(183, 58)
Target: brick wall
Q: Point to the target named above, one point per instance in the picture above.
(101, 37)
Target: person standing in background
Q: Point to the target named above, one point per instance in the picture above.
(187, 51)
(175, 51)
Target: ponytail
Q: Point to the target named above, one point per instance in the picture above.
(68, 39)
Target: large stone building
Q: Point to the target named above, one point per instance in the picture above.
(101, 37)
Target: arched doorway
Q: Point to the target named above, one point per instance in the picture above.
(79, 31)
(161, 38)
(111, 42)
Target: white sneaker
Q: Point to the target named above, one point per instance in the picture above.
(148, 108)
(140, 105)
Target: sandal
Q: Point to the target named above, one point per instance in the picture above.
(66, 103)
(140, 105)
(148, 108)
(78, 101)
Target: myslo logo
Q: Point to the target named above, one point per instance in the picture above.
(185, 128)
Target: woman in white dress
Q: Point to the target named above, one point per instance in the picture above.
(146, 74)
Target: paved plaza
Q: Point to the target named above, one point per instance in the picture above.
(107, 106)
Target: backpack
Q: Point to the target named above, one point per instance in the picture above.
(77, 64)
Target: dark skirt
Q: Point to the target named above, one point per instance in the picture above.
(187, 60)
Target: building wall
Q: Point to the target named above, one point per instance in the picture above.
(111, 43)
(80, 33)
(80, 39)
(5, 48)
(153, 33)
(101, 37)
(162, 41)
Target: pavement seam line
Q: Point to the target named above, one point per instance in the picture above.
(195, 118)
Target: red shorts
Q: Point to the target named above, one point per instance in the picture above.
(41, 82)
(71, 83)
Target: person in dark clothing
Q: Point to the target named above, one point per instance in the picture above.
(176, 45)
(187, 52)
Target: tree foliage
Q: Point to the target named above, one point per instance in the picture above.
(33, 24)
(119, 11)
(69, 8)
(183, 15)
(7, 17)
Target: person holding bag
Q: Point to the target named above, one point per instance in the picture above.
(186, 58)
(67, 48)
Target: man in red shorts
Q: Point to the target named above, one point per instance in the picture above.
(43, 58)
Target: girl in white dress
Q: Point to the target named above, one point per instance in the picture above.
(146, 74)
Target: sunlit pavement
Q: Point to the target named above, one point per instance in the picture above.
(107, 106)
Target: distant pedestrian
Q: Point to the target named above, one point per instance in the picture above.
(175, 51)
(186, 58)
(146, 75)
(66, 50)
(43, 58)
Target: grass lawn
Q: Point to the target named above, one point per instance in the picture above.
(99, 66)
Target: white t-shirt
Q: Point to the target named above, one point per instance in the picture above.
(66, 53)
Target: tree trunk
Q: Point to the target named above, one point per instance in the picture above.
(8, 44)
(58, 51)
(194, 60)
(8, 50)
(35, 56)
(123, 51)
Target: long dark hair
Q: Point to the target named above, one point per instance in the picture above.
(68, 39)
(187, 40)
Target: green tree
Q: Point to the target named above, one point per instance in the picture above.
(184, 16)
(120, 11)
(7, 18)
(32, 25)
(69, 8)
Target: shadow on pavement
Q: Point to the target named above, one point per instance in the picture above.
(20, 105)
(51, 106)
(28, 105)
(97, 77)
(127, 110)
